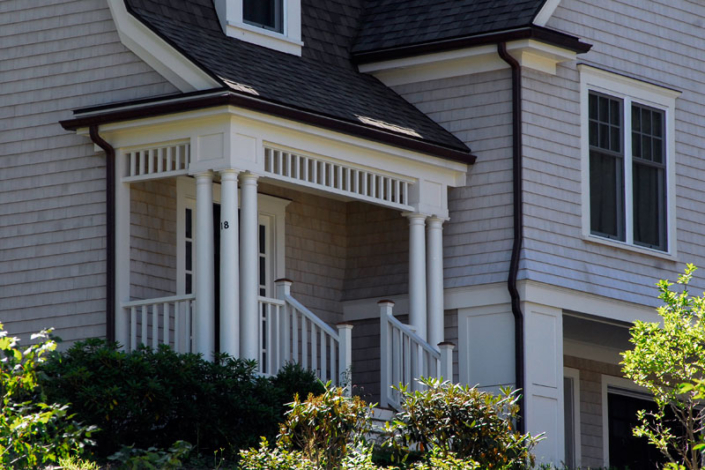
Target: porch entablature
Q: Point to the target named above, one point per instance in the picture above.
(337, 164)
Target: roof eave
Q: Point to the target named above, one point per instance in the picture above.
(538, 33)
(124, 112)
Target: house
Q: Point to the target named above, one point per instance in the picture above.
(483, 189)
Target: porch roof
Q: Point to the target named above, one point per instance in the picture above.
(323, 84)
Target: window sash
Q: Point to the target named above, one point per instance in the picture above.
(628, 174)
(267, 14)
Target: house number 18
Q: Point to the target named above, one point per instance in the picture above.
(224, 225)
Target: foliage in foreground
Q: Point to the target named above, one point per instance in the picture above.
(462, 421)
(663, 359)
(32, 432)
(452, 427)
(151, 399)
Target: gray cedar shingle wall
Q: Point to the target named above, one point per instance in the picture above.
(657, 41)
(57, 56)
(153, 239)
(477, 109)
(378, 252)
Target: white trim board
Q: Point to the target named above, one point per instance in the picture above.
(157, 53)
(530, 53)
(574, 374)
(546, 12)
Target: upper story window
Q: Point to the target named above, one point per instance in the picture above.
(266, 14)
(628, 164)
(275, 24)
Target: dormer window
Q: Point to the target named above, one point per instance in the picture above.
(275, 24)
(267, 14)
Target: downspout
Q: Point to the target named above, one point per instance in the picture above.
(110, 231)
(518, 228)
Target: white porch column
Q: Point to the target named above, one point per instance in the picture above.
(249, 263)
(205, 302)
(417, 273)
(229, 265)
(122, 252)
(435, 325)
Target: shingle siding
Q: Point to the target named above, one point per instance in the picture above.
(659, 42)
(478, 110)
(57, 56)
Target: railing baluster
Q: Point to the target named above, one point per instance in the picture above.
(270, 349)
(288, 165)
(150, 161)
(166, 326)
(396, 191)
(324, 369)
(155, 326)
(142, 162)
(295, 335)
(133, 328)
(304, 342)
(406, 193)
(160, 159)
(177, 160)
(178, 306)
(373, 185)
(314, 349)
(144, 339)
(187, 156)
(169, 151)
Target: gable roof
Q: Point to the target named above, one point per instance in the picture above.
(394, 23)
(323, 81)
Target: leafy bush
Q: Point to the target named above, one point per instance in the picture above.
(152, 458)
(149, 398)
(463, 422)
(323, 426)
(668, 359)
(32, 432)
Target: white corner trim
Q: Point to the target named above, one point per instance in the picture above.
(530, 53)
(157, 53)
(575, 375)
(546, 12)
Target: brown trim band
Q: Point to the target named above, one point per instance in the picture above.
(229, 98)
(546, 35)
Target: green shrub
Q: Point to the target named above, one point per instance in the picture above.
(149, 398)
(323, 426)
(463, 422)
(32, 432)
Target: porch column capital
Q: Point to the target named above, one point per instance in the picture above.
(248, 178)
(436, 221)
(415, 218)
(204, 177)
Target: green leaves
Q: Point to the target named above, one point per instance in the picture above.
(666, 356)
(32, 432)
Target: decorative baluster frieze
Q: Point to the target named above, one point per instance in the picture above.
(161, 161)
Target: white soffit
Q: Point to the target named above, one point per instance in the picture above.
(546, 12)
(530, 53)
(157, 53)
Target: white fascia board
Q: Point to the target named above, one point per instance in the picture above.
(530, 53)
(546, 12)
(157, 53)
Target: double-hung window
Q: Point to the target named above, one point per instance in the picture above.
(628, 163)
(267, 14)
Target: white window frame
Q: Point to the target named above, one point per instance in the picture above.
(629, 90)
(271, 211)
(574, 374)
(231, 15)
(616, 385)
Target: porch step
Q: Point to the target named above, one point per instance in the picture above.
(380, 416)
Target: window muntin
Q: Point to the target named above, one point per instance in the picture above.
(267, 14)
(609, 181)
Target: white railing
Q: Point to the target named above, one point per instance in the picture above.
(338, 178)
(157, 162)
(166, 320)
(289, 332)
(405, 356)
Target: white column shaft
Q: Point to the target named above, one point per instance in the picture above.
(435, 325)
(205, 302)
(229, 265)
(249, 263)
(417, 273)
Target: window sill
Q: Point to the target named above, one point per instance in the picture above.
(265, 38)
(668, 256)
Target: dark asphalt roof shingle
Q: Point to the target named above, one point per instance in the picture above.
(323, 81)
(394, 23)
